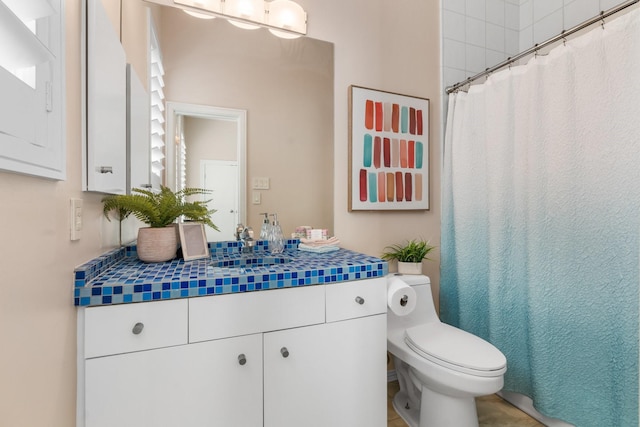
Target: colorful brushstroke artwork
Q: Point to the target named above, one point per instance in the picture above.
(388, 150)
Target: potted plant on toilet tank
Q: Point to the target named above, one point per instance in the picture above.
(159, 210)
(409, 255)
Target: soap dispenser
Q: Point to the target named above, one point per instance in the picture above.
(276, 238)
(266, 227)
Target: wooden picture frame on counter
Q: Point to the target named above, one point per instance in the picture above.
(193, 241)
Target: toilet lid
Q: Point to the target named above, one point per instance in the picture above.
(456, 349)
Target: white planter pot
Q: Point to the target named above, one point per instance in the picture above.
(409, 267)
(157, 244)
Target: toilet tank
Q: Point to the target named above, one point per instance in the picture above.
(425, 310)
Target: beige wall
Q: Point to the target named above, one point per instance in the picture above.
(392, 46)
(208, 139)
(37, 318)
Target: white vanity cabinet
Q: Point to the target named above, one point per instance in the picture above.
(290, 357)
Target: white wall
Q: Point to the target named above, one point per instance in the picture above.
(478, 34)
(385, 45)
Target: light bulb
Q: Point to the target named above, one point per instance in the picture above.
(210, 5)
(288, 15)
(251, 10)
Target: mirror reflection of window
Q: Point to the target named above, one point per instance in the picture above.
(156, 83)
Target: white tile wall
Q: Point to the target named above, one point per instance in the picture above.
(478, 34)
(475, 31)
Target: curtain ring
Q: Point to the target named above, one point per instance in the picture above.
(602, 18)
(535, 54)
(510, 62)
(468, 84)
(564, 39)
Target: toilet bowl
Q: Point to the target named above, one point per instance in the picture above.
(440, 369)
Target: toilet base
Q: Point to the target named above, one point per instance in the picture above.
(408, 412)
(440, 410)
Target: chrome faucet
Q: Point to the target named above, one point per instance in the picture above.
(244, 235)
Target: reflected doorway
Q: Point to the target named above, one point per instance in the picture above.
(221, 177)
(209, 151)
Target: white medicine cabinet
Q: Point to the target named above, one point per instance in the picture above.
(32, 86)
(116, 103)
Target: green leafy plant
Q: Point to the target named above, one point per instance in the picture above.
(159, 209)
(412, 251)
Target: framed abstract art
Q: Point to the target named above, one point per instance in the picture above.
(388, 151)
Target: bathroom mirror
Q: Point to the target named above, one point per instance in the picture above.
(285, 88)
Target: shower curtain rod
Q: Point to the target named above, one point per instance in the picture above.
(538, 46)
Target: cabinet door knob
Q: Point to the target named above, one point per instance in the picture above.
(242, 359)
(360, 300)
(284, 352)
(137, 328)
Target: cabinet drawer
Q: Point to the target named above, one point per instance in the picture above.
(245, 313)
(133, 327)
(356, 299)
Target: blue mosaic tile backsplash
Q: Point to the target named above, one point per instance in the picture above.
(120, 277)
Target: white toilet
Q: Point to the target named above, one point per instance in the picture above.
(440, 369)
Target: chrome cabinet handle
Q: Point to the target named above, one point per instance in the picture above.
(137, 328)
(360, 300)
(105, 169)
(242, 359)
(284, 352)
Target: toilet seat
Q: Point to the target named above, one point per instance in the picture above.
(456, 349)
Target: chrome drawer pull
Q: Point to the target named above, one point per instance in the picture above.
(360, 300)
(284, 352)
(242, 359)
(137, 328)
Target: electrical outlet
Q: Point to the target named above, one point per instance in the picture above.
(256, 198)
(75, 219)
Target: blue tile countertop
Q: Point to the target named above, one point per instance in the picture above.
(119, 277)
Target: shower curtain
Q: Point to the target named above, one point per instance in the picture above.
(541, 223)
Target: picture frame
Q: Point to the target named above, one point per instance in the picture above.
(193, 241)
(388, 151)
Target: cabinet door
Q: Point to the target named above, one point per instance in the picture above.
(106, 104)
(198, 385)
(334, 375)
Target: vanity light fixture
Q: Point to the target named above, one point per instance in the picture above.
(283, 18)
(289, 15)
(248, 10)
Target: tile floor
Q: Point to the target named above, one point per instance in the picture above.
(493, 411)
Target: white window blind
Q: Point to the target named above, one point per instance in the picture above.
(182, 175)
(156, 84)
(31, 84)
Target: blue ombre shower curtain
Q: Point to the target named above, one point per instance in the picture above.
(541, 223)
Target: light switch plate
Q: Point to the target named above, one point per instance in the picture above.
(260, 183)
(75, 219)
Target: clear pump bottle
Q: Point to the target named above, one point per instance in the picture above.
(276, 238)
(265, 228)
